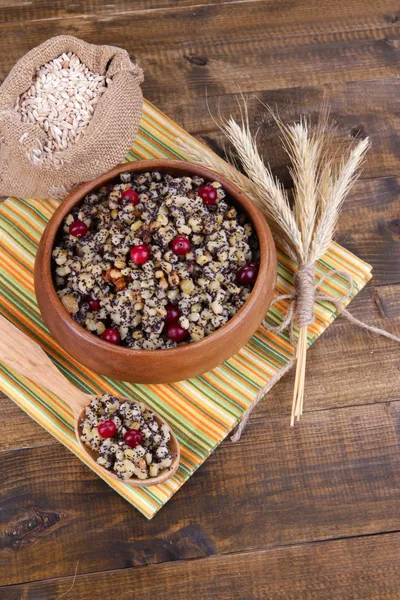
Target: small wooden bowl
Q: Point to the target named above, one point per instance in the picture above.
(155, 366)
(165, 474)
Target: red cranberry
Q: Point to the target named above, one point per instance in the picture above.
(107, 429)
(253, 265)
(111, 335)
(172, 314)
(140, 254)
(176, 333)
(94, 304)
(133, 438)
(78, 229)
(247, 274)
(208, 194)
(132, 196)
(181, 245)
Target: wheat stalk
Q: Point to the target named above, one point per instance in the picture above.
(319, 190)
(333, 191)
(273, 198)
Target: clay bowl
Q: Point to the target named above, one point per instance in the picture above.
(155, 366)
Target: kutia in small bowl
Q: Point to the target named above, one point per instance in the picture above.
(155, 272)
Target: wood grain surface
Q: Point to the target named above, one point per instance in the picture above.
(305, 513)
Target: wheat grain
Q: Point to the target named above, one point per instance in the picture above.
(61, 101)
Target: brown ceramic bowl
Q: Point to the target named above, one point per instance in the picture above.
(155, 366)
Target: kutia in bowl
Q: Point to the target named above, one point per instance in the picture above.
(155, 272)
(152, 260)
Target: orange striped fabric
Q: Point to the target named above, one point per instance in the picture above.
(202, 411)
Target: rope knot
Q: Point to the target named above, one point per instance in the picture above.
(302, 300)
(304, 295)
(301, 305)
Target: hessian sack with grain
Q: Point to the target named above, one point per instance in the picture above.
(103, 145)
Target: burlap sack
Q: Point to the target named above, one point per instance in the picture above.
(106, 140)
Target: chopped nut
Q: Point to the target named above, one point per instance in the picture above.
(146, 237)
(142, 463)
(154, 226)
(115, 277)
(70, 303)
(173, 278)
(61, 256)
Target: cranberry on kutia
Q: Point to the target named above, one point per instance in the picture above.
(132, 196)
(172, 315)
(208, 194)
(94, 304)
(180, 245)
(78, 228)
(140, 254)
(111, 335)
(176, 333)
(248, 273)
(107, 429)
(133, 438)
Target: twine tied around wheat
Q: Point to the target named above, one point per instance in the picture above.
(301, 310)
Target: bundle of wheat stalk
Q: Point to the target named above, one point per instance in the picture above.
(305, 227)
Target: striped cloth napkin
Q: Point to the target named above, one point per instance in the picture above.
(202, 411)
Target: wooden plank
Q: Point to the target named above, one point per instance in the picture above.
(36, 10)
(336, 475)
(369, 227)
(350, 569)
(230, 46)
(298, 16)
(21, 431)
(357, 109)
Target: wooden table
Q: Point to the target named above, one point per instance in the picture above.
(311, 512)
